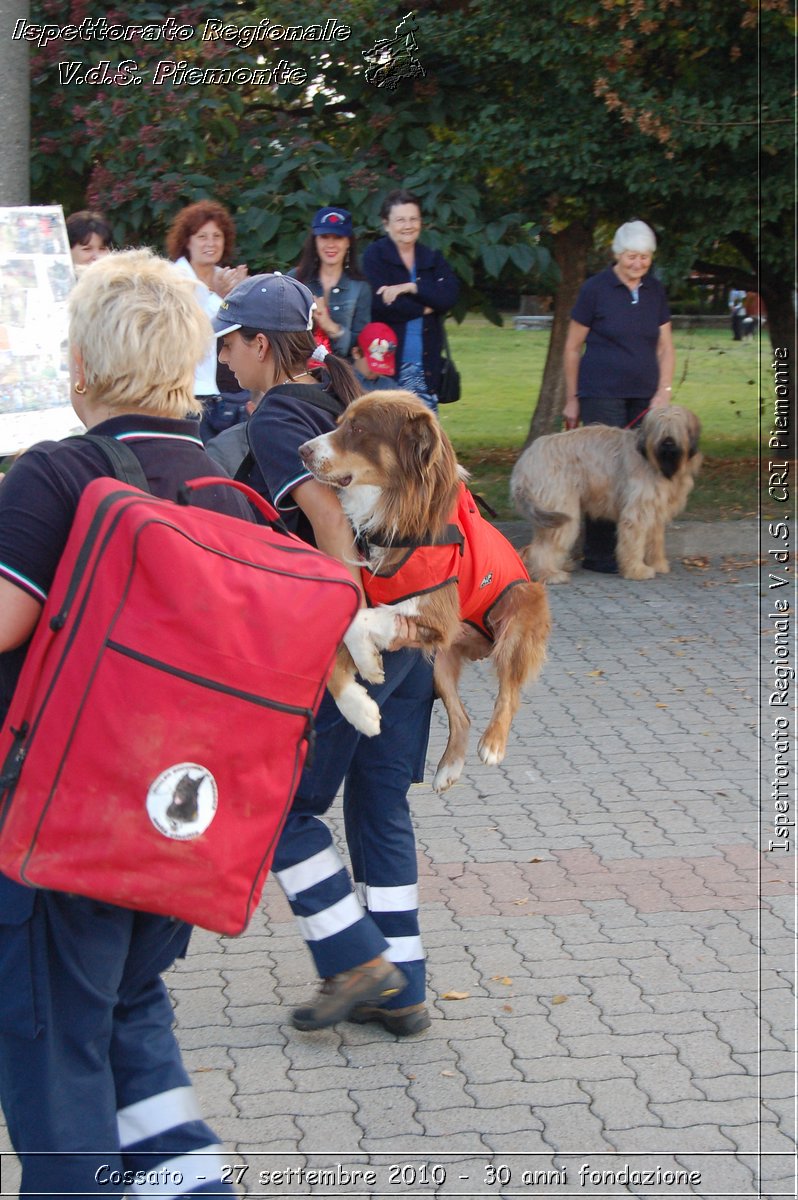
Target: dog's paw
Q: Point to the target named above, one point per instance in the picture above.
(639, 571)
(555, 577)
(491, 751)
(369, 665)
(364, 639)
(447, 774)
(662, 566)
(360, 710)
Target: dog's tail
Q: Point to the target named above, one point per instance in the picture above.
(541, 518)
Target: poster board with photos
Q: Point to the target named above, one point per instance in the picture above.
(36, 276)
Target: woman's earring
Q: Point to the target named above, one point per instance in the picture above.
(80, 388)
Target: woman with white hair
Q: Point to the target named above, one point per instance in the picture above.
(92, 1085)
(622, 320)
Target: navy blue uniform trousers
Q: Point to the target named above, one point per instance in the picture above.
(341, 924)
(92, 1086)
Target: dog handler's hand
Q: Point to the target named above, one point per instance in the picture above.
(571, 413)
(407, 635)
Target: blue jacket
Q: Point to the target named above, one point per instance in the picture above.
(349, 303)
(438, 289)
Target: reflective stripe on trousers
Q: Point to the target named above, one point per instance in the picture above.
(340, 931)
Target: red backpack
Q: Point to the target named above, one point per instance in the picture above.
(166, 706)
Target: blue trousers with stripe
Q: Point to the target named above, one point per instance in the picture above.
(345, 925)
(93, 1089)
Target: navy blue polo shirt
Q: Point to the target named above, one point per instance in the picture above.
(40, 494)
(277, 428)
(620, 358)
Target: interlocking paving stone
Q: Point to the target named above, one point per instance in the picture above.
(705, 1054)
(680, 1114)
(572, 1126)
(620, 1104)
(482, 1061)
(392, 1115)
(640, 1022)
(662, 1077)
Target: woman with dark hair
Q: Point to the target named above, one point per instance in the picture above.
(201, 244)
(89, 237)
(328, 266)
(413, 288)
(369, 957)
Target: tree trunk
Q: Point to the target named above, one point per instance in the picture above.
(781, 327)
(570, 251)
(15, 105)
(780, 318)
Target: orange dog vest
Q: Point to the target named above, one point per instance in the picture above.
(472, 552)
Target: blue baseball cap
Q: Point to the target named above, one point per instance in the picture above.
(272, 302)
(333, 220)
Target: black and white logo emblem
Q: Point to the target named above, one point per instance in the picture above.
(181, 802)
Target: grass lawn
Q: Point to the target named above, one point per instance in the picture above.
(717, 378)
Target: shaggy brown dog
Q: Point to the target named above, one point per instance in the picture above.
(639, 478)
(400, 485)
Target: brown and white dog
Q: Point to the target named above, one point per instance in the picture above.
(428, 554)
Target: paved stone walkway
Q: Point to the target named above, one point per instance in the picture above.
(612, 1001)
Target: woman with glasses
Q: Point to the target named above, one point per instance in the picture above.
(413, 288)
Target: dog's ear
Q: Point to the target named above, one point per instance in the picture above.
(693, 434)
(641, 441)
(418, 444)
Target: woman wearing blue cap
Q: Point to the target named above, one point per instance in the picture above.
(328, 266)
(365, 941)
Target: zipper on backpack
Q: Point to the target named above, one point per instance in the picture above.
(203, 681)
(15, 757)
(59, 619)
(250, 697)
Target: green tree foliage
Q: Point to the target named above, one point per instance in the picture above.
(142, 144)
(533, 128)
(709, 84)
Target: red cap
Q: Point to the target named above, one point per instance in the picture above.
(378, 343)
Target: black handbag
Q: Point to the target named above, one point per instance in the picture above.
(449, 386)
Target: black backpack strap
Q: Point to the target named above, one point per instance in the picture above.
(248, 462)
(245, 467)
(120, 458)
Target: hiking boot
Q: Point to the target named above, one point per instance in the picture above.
(404, 1022)
(375, 980)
